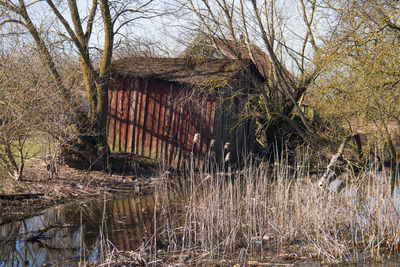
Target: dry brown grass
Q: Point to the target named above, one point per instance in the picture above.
(278, 209)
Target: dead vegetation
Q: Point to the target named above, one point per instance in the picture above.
(239, 217)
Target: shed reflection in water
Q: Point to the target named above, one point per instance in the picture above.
(70, 233)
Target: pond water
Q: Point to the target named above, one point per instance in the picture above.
(67, 234)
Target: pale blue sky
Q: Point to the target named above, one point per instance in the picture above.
(164, 31)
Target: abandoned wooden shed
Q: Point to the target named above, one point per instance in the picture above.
(168, 108)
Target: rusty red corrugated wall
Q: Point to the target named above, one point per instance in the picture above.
(146, 119)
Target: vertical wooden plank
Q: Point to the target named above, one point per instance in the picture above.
(189, 136)
(110, 123)
(181, 136)
(127, 117)
(212, 118)
(135, 108)
(240, 143)
(158, 100)
(208, 128)
(219, 132)
(124, 117)
(186, 149)
(115, 117)
(190, 130)
(196, 128)
(171, 134)
(170, 113)
(164, 125)
(152, 107)
(201, 129)
(130, 128)
(175, 122)
(120, 115)
(227, 137)
(211, 125)
(208, 124)
(149, 119)
(139, 124)
(178, 135)
(145, 114)
(207, 139)
(109, 98)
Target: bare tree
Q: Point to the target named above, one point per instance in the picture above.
(75, 27)
(260, 31)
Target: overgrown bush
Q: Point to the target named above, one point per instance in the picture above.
(32, 117)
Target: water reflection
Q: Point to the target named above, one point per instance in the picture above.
(70, 233)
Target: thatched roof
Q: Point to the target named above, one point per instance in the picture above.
(205, 47)
(180, 70)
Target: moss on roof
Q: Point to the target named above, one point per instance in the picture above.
(181, 70)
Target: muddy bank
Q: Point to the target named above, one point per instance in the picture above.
(37, 192)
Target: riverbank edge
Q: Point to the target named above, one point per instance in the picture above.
(70, 185)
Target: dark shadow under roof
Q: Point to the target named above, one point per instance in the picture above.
(180, 70)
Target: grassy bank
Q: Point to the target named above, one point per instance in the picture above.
(243, 217)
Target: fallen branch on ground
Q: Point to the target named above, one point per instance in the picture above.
(20, 196)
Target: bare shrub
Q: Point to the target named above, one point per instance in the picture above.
(19, 114)
(33, 117)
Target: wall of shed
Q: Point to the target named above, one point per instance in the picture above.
(230, 124)
(147, 118)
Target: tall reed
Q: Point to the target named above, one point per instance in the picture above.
(243, 215)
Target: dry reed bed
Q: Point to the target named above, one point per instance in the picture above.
(242, 217)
